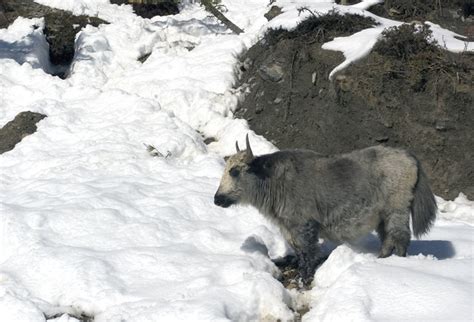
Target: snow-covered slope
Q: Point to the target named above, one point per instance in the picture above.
(91, 223)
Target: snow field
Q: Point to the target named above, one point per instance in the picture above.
(91, 223)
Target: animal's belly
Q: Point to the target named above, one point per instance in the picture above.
(351, 227)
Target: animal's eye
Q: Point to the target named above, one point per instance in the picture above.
(234, 172)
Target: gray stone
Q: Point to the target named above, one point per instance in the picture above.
(273, 12)
(272, 72)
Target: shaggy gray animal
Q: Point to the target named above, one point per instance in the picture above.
(337, 197)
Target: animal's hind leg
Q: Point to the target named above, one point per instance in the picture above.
(396, 233)
(381, 231)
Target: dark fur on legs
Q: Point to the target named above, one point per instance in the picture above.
(394, 233)
(308, 255)
(308, 250)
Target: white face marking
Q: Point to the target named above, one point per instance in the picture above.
(228, 183)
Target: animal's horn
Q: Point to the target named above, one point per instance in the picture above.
(237, 146)
(249, 149)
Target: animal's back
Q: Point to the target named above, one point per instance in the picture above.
(346, 193)
(399, 172)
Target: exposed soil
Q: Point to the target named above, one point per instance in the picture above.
(455, 15)
(408, 93)
(151, 8)
(14, 131)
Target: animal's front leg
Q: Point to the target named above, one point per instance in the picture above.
(308, 250)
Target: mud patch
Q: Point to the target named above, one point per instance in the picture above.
(408, 92)
(21, 126)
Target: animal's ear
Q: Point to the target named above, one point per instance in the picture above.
(264, 168)
(260, 167)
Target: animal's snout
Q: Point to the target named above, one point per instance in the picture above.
(222, 200)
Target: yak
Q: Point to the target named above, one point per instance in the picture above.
(338, 197)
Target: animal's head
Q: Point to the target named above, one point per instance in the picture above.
(236, 180)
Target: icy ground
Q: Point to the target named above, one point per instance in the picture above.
(91, 223)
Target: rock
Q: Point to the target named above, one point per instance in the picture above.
(151, 8)
(209, 140)
(246, 65)
(277, 100)
(143, 57)
(443, 125)
(394, 12)
(273, 12)
(21, 126)
(343, 82)
(273, 72)
(258, 109)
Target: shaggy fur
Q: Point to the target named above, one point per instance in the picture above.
(338, 197)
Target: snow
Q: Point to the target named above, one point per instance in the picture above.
(24, 42)
(416, 288)
(354, 47)
(366, 4)
(450, 40)
(435, 281)
(91, 223)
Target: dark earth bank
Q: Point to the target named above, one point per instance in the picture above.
(14, 131)
(408, 93)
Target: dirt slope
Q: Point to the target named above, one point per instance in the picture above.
(407, 93)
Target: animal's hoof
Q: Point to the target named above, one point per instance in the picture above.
(306, 274)
(386, 251)
(287, 262)
(306, 279)
(384, 255)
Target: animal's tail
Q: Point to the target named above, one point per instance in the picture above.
(423, 206)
